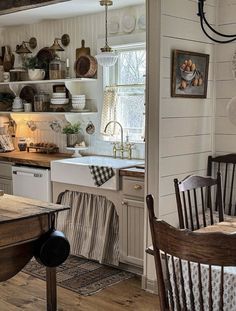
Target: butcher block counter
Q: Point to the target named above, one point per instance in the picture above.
(136, 171)
(22, 223)
(32, 158)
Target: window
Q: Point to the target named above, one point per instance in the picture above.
(127, 78)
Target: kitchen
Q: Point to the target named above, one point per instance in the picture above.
(42, 127)
(181, 133)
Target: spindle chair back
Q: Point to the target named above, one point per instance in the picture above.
(197, 200)
(178, 254)
(226, 164)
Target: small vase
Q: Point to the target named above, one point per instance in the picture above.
(22, 145)
(72, 139)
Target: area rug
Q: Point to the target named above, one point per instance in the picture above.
(82, 276)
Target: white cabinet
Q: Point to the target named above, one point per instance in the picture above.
(133, 220)
(5, 177)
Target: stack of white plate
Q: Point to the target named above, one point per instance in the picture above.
(78, 102)
(59, 99)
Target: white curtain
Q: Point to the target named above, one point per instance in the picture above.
(91, 226)
(109, 110)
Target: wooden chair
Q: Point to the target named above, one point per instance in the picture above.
(180, 253)
(195, 203)
(226, 165)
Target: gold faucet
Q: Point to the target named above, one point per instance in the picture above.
(121, 147)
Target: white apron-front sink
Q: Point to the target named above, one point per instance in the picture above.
(76, 170)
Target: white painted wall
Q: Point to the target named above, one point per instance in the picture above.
(225, 131)
(181, 131)
(88, 27)
(186, 125)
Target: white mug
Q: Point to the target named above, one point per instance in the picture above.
(36, 74)
(27, 107)
(6, 76)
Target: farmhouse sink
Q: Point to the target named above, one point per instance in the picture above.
(76, 170)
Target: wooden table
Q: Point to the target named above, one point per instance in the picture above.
(227, 226)
(22, 222)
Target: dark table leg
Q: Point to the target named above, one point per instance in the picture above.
(51, 284)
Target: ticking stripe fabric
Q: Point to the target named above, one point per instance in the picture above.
(101, 174)
(91, 226)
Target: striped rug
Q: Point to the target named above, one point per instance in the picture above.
(80, 275)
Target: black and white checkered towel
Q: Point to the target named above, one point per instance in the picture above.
(101, 174)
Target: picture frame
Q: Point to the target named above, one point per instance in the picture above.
(189, 74)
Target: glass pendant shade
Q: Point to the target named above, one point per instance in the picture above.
(106, 57)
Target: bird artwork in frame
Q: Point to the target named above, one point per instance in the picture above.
(189, 74)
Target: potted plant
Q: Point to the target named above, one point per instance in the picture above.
(72, 132)
(35, 68)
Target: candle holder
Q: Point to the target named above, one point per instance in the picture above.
(67, 68)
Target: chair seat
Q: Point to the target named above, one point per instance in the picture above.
(229, 283)
(208, 219)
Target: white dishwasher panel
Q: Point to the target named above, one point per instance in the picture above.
(34, 183)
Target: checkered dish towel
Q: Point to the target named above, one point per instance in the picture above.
(101, 174)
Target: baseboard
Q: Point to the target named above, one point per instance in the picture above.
(149, 285)
(131, 268)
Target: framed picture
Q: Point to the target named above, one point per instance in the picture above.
(189, 74)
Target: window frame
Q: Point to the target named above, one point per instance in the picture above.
(111, 78)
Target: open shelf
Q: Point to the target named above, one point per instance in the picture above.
(58, 81)
(49, 112)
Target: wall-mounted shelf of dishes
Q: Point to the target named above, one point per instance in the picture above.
(57, 81)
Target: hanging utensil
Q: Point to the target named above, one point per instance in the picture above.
(90, 128)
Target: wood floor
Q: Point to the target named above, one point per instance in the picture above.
(24, 292)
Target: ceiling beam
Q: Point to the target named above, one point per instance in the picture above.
(12, 6)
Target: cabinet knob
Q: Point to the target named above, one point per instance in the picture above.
(137, 187)
(124, 203)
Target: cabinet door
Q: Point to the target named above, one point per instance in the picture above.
(135, 231)
(6, 185)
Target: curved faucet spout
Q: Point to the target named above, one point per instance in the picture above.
(121, 131)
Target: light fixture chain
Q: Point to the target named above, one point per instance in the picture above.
(106, 9)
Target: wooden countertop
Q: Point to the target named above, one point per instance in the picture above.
(32, 158)
(136, 171)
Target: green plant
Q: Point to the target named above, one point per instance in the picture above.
(72, 128)
(33, 63)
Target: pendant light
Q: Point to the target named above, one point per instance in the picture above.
(107, 57)
(204, 23)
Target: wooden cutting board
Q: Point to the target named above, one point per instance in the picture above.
(83, 50)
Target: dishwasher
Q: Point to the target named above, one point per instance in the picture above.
(31, 182)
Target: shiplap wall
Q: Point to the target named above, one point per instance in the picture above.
(186, 125)
(225, 131)
(88, 27)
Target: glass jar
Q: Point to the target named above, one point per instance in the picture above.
(56, 69)
(41, 102)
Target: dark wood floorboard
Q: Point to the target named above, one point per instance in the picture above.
(25, 292)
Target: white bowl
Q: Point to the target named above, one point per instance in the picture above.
(78, 96)
(59, 101)
(187, 75)
(78, 101)
(78, 106)
(57, 94)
